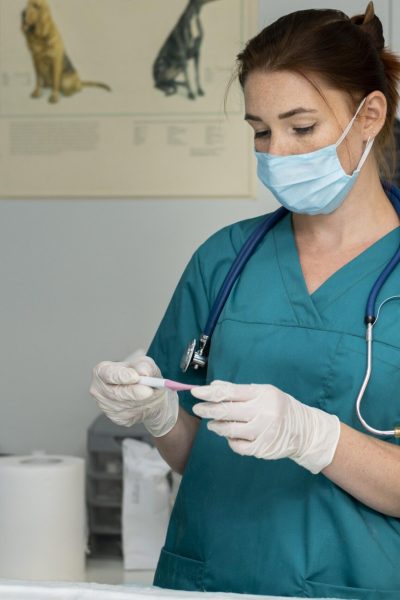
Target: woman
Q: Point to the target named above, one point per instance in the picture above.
(291, 497)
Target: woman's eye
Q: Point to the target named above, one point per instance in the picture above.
(260, 134)
(297, 130)
(304, 130)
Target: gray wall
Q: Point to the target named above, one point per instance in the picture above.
(84, 281)
(88, 280)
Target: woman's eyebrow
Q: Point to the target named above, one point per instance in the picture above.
(248, 117)
(285, 115)
(296, 111)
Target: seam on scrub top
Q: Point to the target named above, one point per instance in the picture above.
(359, 337)
(327, 382)
(354, 282)
(378, 358)
(376, 537)
(281, 274)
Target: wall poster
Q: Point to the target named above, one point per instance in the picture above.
(109, 98)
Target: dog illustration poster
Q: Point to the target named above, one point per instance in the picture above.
(123, 98)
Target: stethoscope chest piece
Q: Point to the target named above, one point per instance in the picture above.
(195, 358)
(187, 356)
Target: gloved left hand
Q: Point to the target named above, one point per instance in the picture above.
(263, 421)
(126, 402)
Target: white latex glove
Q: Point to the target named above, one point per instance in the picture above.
(263, 421)
(124, 401)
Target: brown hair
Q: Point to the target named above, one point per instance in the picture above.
(348, 53)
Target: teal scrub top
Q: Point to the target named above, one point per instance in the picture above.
(247, 525)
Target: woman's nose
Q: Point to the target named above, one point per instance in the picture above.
(278, 147)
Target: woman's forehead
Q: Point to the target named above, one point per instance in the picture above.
(280, 91)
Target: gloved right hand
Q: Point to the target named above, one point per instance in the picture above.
(119, 395)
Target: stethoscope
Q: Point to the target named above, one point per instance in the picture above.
(196, 354)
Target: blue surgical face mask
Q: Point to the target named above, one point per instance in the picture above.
(313, 183)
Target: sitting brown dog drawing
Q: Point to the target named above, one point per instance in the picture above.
(53, 68)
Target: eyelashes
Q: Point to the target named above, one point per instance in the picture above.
(260, 134)
(298, 130)
(304, 130)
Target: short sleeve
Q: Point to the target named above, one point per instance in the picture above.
(184, 320)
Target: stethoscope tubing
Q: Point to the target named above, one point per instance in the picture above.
(370, 313)
(238, 265)
(368, 372)
(370, 316)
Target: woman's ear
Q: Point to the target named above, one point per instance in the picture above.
(373, 114)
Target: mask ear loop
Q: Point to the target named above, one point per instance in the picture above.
(364, 156)
(349, 126)
(368, 145)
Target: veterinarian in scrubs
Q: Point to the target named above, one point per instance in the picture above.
(283, 492)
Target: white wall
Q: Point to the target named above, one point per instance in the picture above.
(87, 280)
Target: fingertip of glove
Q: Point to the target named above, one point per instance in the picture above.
(201, 392)
(126, 375)
(146, 366)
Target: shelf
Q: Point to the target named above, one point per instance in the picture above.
(105, 530)
(103, 502)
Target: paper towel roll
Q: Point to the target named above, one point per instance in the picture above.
(42, 517)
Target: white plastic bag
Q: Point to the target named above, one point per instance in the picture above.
(145, 506)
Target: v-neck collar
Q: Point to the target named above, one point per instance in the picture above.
(309, 307)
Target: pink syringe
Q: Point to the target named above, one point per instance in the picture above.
(157, 382)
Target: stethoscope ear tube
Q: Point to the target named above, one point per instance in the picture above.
(371, 316)
(388, 433)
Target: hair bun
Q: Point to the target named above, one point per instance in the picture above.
(370, 23)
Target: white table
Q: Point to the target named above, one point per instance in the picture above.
(19, 590)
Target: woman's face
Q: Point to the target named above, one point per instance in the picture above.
(289, 116)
